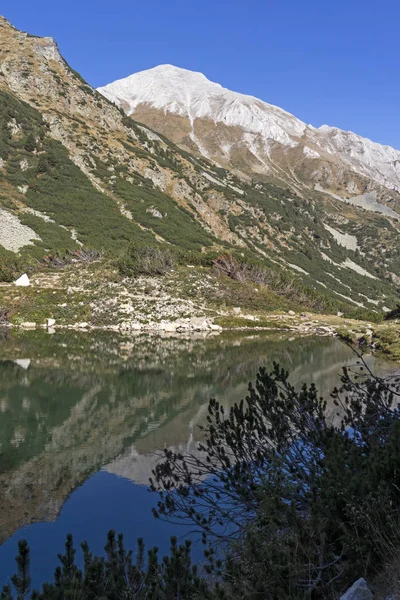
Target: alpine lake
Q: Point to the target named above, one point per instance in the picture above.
(83, 417)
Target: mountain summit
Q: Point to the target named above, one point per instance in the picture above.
(250, 136)
(190, 94)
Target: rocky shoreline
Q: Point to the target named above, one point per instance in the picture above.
(186, 325)
(92, 298)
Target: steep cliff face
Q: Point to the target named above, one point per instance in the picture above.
(76, 170)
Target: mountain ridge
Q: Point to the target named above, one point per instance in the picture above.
(190, 94)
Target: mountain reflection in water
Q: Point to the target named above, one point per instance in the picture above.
(73, 404)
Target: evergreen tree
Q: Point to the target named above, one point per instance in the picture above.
(293, 498)
(21, 580)
(30, 143)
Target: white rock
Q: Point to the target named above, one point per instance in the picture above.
(23, 281)
(324, 330)
(50, 322)
(291, 313)
(199, 323)
(215, 327)
(83, 325)
(23, 362)
(28, 325)
(358, 591)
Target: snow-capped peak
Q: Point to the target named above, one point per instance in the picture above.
(260, 126)
(191, 94)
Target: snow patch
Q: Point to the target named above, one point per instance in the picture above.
(352, 265)
(212, 179)
(152, 210)
(343, 239)
(150, 134)
(297, 268)
(329, 260)
(349, 299)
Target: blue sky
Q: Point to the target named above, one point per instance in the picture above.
(326, 61)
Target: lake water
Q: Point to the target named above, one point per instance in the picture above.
(82, 416)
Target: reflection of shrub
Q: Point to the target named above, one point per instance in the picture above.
(290, 503)
(4, 312)
(145, 260)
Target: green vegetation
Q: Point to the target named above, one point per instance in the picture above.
(290, 288)
(290, 503)
(145, 260)
(157, 211)
(304, 504)
(393, 314)
(11, 265)
(117, 575)
(58, 188)
(283, 234)
(388, 342)
(4, 314)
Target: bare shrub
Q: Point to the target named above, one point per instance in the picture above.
(242, 271)
(279, 281)
(86, 255)
(83, 255)
(145, 260)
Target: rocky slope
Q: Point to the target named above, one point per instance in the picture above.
(76, 171)
(245, 133)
